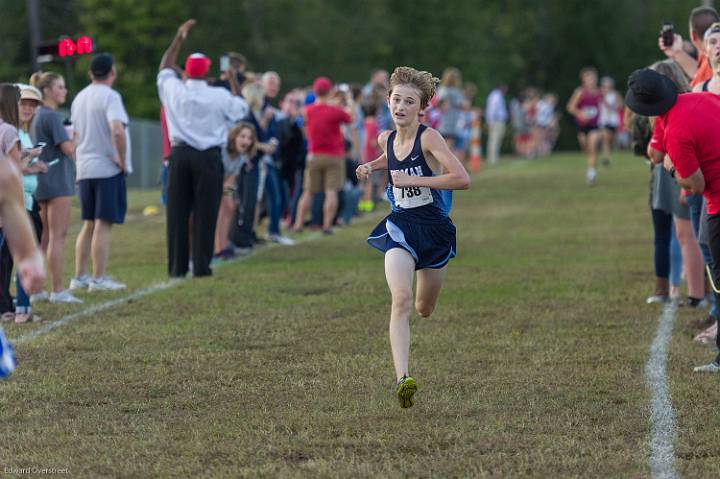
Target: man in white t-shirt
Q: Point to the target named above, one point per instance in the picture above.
(100, 121)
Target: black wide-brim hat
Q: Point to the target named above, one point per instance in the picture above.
(650, 93)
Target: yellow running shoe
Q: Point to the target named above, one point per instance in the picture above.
(406, 387)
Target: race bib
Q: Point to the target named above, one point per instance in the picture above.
(590, 112)
(412, 196)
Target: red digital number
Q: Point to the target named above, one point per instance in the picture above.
(69, 48)
(66, 47)
(84, 45)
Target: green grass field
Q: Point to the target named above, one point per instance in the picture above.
(279, 365)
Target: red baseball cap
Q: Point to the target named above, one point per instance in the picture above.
(197, 65)
(322, 85)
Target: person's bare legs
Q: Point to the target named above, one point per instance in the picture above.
(582, 140)
(82, 248)
(101, 247)
(45, 236)
(330, 206)
(692, 258)
(429, 284)
(302, 209)
(592, 143)
(399, 271)
(222, 230)
(58, 218)
(607, 138)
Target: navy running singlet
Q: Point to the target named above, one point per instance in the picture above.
(419, 221)
(419, 202)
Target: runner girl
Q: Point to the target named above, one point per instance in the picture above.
(584, 105)
(418, 234)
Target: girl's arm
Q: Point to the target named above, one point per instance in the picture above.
(572, 104)
(455, 178)
(68, 148)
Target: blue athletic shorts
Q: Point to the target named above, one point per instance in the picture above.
(104, 199)
(431, 244)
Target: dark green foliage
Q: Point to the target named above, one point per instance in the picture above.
(522, 42)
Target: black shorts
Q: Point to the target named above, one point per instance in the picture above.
(586, 129)
(104, 199)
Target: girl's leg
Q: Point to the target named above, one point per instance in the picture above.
(592, 143)
(582, 140)
(45, 236)
(222, 230)
(692, 258)
(607, 136)
(399, 270)
(429, 283)
(58, 216)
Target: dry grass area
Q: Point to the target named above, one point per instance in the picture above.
(279, 365)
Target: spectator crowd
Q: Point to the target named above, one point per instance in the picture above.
(241, 164)
(674, 115)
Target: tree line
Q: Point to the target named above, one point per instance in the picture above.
(541, 43)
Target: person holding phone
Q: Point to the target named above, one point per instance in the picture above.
(56, 188)
(232, 61)
(30, 166)
(700, 20)
(197, 117)
(685, 141)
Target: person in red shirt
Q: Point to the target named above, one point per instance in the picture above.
(699, 70)
(685, 136)
(325, 170)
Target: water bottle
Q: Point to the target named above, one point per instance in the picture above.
(69, 128)
(7, 356)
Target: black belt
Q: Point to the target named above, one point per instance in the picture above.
(182, 144)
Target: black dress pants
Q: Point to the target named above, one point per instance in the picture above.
(194, 188)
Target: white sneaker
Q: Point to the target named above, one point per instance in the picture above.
(105, 284)
(80, 282)
(64, 297)
(41, 296)
(280, 240)
(713, 367)
(591, 176)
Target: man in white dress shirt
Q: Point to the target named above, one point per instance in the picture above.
(197, 117)
(496, 116)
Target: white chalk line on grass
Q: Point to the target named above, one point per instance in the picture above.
(662, 416)
(141, 293)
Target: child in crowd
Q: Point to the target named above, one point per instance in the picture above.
(370, 152)
(241, 147)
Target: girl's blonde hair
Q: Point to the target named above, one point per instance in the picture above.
(253, 94)
(43, 80)
(451, 77)
(423, 82)
(235, 132)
